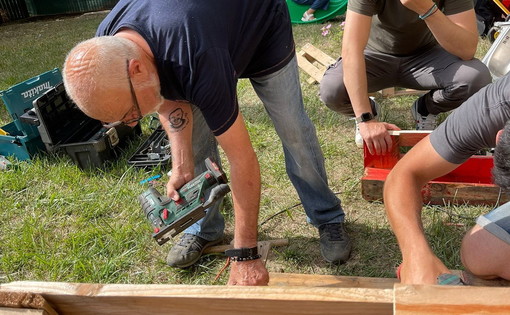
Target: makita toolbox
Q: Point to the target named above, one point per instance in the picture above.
(18, 138)
(63, 126)
(19, 98)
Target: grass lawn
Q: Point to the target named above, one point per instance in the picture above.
(59, 223)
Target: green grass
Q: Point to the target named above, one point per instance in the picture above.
(59, 223)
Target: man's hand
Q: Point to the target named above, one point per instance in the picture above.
(250, 272)
(176, 181)
(376, 136)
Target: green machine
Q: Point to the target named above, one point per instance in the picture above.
(169, 217)
(336, 7)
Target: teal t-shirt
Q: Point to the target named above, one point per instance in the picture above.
(398, 31)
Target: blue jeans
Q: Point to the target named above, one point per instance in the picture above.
(212, 225)
(280, 92)
(314, 4)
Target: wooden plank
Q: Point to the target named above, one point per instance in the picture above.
(434, 299)
(309, 68)
(471, 279)
(312, 280)
(400, 138)
(471, 182)
(318, 55)
(307, 280)
(21, 311)
(409, 138)
(25, 300)
(74, 298)
(437, 192)
(314, 62)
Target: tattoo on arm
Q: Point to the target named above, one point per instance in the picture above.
(178, 120)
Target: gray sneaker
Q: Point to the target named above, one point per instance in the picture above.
(188, 250)
(428, 122)
(335, 243)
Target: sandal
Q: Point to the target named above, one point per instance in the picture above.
(442, 279)
(307, 17)
(450, 279)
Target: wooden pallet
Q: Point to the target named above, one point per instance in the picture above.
(470, 183)
(314, 62)
(286, 294)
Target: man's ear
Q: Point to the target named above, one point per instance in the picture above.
(136, 68)
(498, 135)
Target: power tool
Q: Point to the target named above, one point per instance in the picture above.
(169, 217)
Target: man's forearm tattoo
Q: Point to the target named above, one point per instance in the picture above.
(178, 120)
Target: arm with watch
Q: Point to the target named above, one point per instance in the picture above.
(355, 38)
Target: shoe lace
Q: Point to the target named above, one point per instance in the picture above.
(190, 239)
(426, 122)
(335, 232)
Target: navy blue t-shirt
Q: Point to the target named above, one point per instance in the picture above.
(201, 48)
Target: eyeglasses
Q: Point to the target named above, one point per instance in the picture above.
(135, 105)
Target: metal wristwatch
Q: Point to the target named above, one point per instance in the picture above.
(364, 117)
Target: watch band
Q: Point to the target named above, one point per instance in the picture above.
(364, 117)
(242, 252)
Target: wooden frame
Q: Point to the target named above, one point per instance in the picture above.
(470, 183)
(286, 294)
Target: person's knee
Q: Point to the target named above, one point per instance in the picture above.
(474, 76)
(478, 77)
(483, 254)
(334, 95)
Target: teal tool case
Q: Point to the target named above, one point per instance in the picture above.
(20, 139)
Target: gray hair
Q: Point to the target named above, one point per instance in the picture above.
(96, 69)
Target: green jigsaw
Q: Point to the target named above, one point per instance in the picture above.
(169, 217)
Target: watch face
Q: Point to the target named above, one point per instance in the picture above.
(366, 116)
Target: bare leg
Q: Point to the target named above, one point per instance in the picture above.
(485, 255)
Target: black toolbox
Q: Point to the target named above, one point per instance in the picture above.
(63, 126)
(154, 151)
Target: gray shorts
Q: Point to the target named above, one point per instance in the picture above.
(497, 222)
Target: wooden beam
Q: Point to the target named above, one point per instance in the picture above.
(435, 299)
(25, 301)
(437, 192)
(286, 294)
(318, 55)
(314, 62)
(471, 182)
(21, 311)
(309, 68)
(126, 299)
(306, 280)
